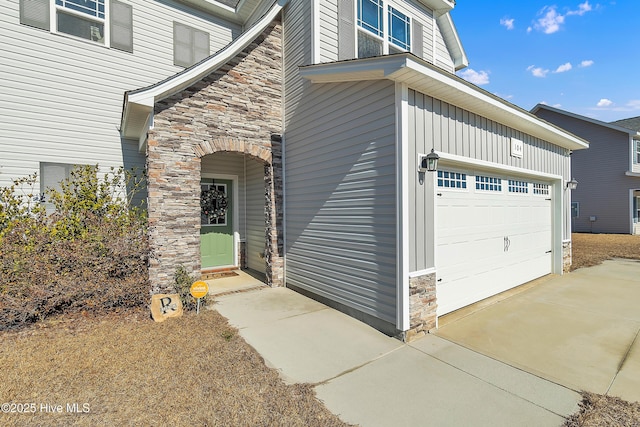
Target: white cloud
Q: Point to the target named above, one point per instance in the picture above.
(586, 63)
(508, 23)
(563, 68)
(537, 71)
(476, 77)
(604, 102)
(582, 9)
(550, 21)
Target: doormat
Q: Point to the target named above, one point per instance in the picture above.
(218, 275)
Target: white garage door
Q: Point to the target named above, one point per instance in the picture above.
(493, 233)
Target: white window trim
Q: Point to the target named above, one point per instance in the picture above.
(385, 27)
(577, 209)
(53, 10)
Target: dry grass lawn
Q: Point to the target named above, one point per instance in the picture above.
(129, 370)
(592, 249)
(125, 369)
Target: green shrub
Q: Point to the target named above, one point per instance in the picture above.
(183, 282)
(89, 254)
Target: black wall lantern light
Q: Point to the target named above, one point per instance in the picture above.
(429, 163)
(572, 185)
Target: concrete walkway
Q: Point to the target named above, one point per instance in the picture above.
(579, 330)
(370, 379)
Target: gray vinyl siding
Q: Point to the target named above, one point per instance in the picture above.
(603, 187)
(341, 196)
(422, 37)
(328, 21)
(297, 50)
(449, 129)
(62, 96)
(442, 55)
(255, 225)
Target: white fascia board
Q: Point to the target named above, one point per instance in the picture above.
(434, 81)
(146, 98)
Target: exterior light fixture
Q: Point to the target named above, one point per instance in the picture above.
(429, 162)
(573, 184)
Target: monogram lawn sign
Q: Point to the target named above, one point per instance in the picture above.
(164, 306)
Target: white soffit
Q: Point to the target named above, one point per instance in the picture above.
(439, 6)
(433, 81)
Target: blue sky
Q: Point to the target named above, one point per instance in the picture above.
(576, 55)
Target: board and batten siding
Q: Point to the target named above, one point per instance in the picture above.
(341, 196)
(603, 187)
(62, 96)
(450, 129)
(433, 48)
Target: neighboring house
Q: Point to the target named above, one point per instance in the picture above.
(607, 199)
(295, 148)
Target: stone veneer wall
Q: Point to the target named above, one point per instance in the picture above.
(566, 256)
(422, 306)
(237, 108)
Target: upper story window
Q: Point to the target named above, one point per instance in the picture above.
(399, 29)
(106, 23)
(636, 151)
(382, 30)
(81, 18)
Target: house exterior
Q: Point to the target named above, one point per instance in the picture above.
(607, 199)
(287, 137)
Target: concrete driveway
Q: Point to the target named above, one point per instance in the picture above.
(370, 379)
(579, 330)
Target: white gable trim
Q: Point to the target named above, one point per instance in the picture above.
(138, 104)
(452, 40)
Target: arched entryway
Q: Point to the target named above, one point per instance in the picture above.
(247, 233)
(236, 110)
(236, 221)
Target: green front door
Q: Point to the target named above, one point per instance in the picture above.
(216, 234)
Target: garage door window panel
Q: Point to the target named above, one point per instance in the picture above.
(540, 189)
(518, 186)
(453, 180)
(488, 183)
